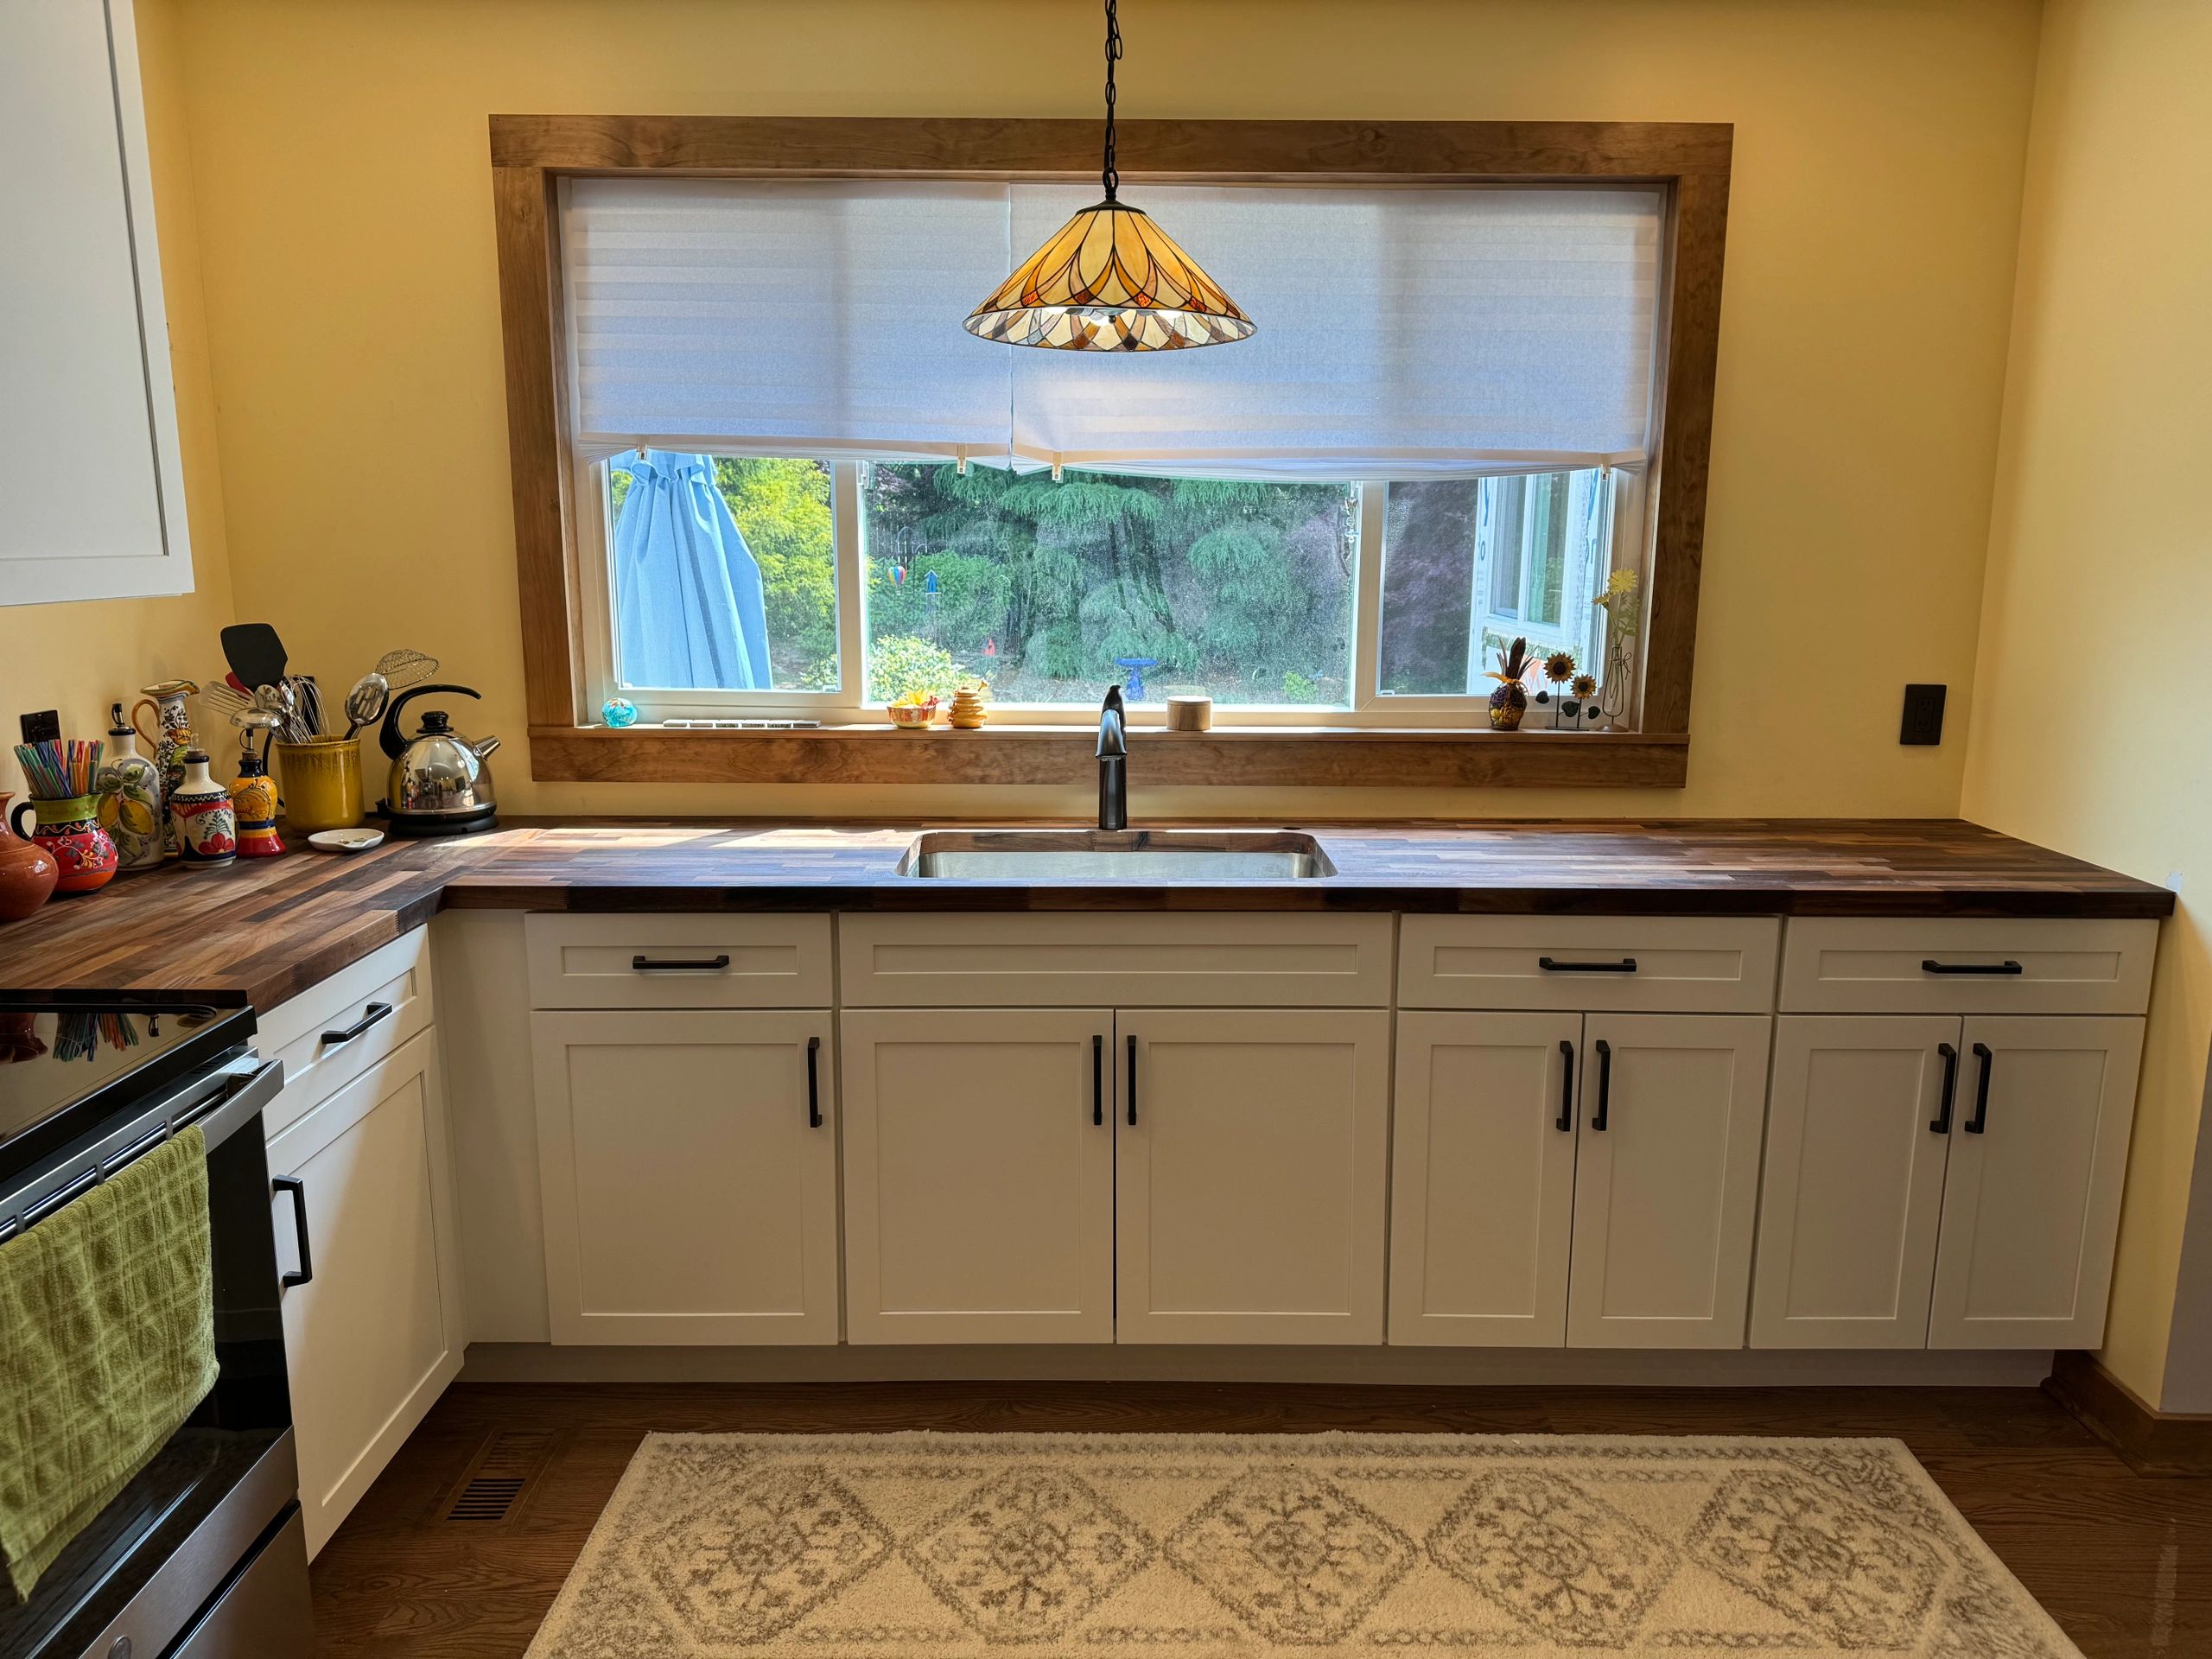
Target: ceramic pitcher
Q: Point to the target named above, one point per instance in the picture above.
(128, 790)
(200, 811)
(28, 872)
(70, 830)
(174, 721)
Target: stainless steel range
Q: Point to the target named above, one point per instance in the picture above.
(202, 1555)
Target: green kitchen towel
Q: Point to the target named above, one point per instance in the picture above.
(107, 1342)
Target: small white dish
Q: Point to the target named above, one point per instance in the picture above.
(347, 840)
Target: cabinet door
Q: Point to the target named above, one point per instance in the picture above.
(2031, 1203)
(374, 1336)
(1666, 1181)
(1251, 1159)
(1482, 1179)
(1856, 1138)
(979, 1175)
(688, 1164)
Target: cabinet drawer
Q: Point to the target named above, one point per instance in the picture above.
(383, 1000)
(1682, 964)
(678, 962)
(1892, 966)
(1089, 961)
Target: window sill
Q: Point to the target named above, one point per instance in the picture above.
(1308, 757)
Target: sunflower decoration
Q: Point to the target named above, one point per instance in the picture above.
(1584, 686)
(1558, 667)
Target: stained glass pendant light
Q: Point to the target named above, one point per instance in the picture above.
(1110, 279)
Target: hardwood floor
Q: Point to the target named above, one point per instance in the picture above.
(2123, 1562)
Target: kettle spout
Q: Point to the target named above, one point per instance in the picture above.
(483, 746)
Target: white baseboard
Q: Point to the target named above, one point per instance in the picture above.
(1434, 1367)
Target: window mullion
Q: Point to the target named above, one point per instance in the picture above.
(852, 584)
(1367, 597)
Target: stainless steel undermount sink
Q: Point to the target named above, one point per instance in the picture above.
(1117, 854)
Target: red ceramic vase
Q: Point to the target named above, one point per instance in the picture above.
(28, 872)
(70, 831)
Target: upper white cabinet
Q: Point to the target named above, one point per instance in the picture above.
(89, 465)
(1666, 1179)
(689, 1163)
(2038, 1160)
(1252, 1153)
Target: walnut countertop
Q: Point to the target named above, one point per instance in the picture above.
(260, 932)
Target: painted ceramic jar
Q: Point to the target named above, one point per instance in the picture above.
(70, 831)
(1509, 707)
(171, 738)
(200, 812)
(128, 791)
(28, 872)
(253, 799)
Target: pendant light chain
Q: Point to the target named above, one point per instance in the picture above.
(1111, 176)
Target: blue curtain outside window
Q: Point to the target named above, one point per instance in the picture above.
(688, 600)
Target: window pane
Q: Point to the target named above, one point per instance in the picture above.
(1052, 592)
(724, 572)
(1469, 563)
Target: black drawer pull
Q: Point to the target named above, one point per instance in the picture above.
(1551, 965)
(1942, 1123)
(1097, 1079)
(705, 965)
(298, 1189)
(814, 1082)
(1998, 970)
(1605, 1084)
(370, 1015)
(1132, 1083)
(1565, 1123)
(1980, 1120)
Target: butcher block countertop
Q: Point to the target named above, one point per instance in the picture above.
(262, 931)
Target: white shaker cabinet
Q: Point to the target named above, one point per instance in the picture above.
(1667, 1175)
(89, 464)
(979, 1175)
(1252, 1152)
(374, 1334)
(687, 1166)
(1859, 1130)
(2038, 1160)
(1482, 1190)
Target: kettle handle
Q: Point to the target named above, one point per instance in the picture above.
(389, 739)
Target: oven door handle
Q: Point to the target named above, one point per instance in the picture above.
(239, 1102)
(298, 1189)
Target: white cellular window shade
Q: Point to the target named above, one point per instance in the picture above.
(1402, 333)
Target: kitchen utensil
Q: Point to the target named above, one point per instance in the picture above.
(322, 784)
(402, 669)
(308, 695)
(439, 784)
(364, 702)
(347, 840)
(255, 653)
(221, 697)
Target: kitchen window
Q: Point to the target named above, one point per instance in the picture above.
(795, 488)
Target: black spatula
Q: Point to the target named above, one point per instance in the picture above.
(255, 653)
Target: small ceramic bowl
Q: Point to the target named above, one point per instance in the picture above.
(347, 840)
(912, 717)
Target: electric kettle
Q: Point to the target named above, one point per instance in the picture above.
(440, 784)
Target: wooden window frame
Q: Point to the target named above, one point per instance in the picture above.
(531, 154)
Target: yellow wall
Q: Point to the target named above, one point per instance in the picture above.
(339, 148)
(2088, 734)
(80, 659)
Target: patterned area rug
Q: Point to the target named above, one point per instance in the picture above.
(1233, 1547)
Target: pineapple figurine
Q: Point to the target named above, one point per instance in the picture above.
(1509, 702)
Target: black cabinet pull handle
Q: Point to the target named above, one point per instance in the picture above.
(370, 1015)
(1565, 1123)
(2001, 970)
(704, 965)
(814, 1082)
(1980, 1120)
(1942, 1123)
(1132, 1083)
(1098, 1080)
(298, 1189)
(1553, 965)
(1605, 1084)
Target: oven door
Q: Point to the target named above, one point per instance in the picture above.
(210, 1507)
